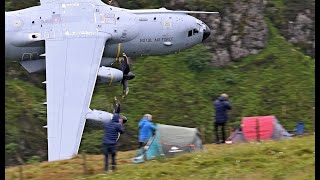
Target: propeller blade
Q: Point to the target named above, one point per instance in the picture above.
(125, 65)
(116, 105)
(125, 87)
(127, 75)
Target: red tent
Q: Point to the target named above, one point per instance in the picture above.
(258, 128)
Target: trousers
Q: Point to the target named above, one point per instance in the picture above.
(109, 149)
(216, 131)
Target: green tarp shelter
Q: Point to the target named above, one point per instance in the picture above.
(170, 141)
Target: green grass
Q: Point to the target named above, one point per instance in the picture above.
(277, 81)
(286, 159)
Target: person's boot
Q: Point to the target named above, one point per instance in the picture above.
(114, 168)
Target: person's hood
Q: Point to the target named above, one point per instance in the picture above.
(115, 118)
(221, 98)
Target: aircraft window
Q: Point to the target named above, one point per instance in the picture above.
(190, 33)
(195, 31)
(154, 18)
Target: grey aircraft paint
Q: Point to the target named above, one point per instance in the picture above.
(76, 41)
(133, 33)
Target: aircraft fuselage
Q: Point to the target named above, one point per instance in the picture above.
(136, 34)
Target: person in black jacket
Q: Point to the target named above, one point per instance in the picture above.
(221, 106)
(113, 129)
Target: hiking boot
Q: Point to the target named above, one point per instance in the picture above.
(114, 168)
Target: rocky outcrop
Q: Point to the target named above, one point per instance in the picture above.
(238, 31)
(296, 22)
(301, 32)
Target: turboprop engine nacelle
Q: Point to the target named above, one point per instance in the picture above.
(110, 75)
(98, 118)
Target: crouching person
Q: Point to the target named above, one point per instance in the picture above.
(113, 129)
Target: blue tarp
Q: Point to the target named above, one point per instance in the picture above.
(152, 151)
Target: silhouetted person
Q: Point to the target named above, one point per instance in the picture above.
(113, 129)
(221, 106)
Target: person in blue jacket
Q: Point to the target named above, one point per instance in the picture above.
(113, 129)
(146, 129)
(221, 106)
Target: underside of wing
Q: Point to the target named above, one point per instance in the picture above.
(71, 71)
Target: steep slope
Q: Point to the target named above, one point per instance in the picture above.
(285, 160)
(176, 89)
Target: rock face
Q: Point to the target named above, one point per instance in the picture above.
(237, 32)
(296, 21)
(240, 30)
(301, 32)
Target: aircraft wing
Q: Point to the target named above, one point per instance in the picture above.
(72, 64)
(48, 1)
(66, 1)
(164, 10)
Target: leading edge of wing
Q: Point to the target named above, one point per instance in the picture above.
(71, 71)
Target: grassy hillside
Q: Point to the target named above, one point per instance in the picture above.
(24, 118)
(282, 160)
(278, 81)
(177, 90)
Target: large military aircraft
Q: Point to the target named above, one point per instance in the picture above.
(76, 41)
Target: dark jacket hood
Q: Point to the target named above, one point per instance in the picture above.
(115, 118)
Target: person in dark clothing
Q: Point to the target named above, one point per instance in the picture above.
(221, 106)
(113, 129)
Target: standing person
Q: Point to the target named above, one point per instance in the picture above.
(146, 129)
(140, 125)
(113, 129)
(221, 106)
